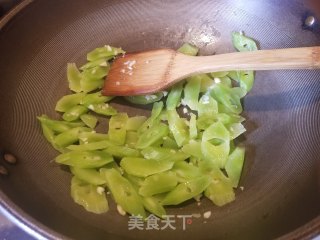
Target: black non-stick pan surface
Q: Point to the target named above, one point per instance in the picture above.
(281, 178)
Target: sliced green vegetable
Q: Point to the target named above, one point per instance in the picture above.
(216, 153)
(90, 146)
(243, 43)
(234, 165)
(228, 97)
(153, 205)
(88, 137)
(169, 142)
(58, 126)
(123, 192)
(158, 183)
(174, 96)
(220, 190)
(193, 148)
(186, 190)
(68, 101)
(193, 132)
(84, 159)
(89, 85)
(117, 128)
(91, 176)
(145, 99)
(69, 137)
(152, 135)
(95, 73)
(245, 78)
(74, 113)
(178, 127)
(95, 98)
(142, 167)
(88, 196)
(104, 52)
(218, 74)
(188, 49)
(122, 151)
(100, 62)
(134, 123)
(134, 180)
(90, 120)
(224, 80)
(132, 139)
(186, 171)
(206, 82)
(205, 121)
(103, 109)
(192, 91)
(236, 129)
(50, 136)
(74, 77)
(207, 106)
(156, 110)
(216, 131)
(161, 153)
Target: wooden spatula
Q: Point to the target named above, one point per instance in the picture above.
(152, 71)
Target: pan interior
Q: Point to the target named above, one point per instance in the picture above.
(281, 176)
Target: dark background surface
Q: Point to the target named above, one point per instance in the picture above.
(6, 5)
(8, 230)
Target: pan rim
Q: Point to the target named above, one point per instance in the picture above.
(38, 230)
(13, 12)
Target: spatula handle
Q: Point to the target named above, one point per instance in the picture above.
(290, 58)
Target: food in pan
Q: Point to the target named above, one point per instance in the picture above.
(186, 149)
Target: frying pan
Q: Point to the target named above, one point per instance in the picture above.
(281, 178)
